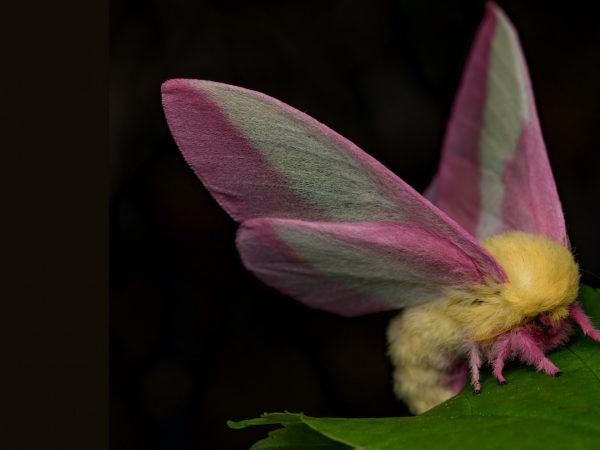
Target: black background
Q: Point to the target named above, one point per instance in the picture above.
(197, 340)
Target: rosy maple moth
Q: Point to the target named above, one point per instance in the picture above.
(480, 266)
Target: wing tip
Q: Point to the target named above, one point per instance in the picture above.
(185, 85)
(492, 9)
(175, 85)
(493, 15)
(176, 92)
(496, 15)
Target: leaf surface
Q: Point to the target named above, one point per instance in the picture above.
(532, 411)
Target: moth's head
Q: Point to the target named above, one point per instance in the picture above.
(543, 278)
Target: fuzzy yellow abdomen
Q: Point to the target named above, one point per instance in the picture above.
(424, 344)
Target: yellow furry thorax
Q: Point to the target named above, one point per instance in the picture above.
(543, 278)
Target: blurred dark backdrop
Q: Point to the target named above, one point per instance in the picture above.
(195, 339)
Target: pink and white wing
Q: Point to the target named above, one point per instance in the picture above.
(321, 219)
(355, 268)
(494, 175)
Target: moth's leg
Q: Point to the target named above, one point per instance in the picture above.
(584, 322)
(556, 333)
(502, 350)
(457, 376)
(531, 353)
(475, 364)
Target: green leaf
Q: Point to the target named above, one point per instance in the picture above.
(532, 411)
(297, 436)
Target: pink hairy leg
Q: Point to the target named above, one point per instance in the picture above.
(584, 322)
(556, 333)
(502, 349)
(457, 376)
(530, 351)
(475, 364)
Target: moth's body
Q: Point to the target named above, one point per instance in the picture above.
(330, 226)
(430, 344)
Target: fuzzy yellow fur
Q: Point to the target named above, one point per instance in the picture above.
(426, 340)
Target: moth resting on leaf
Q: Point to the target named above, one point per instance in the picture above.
(480, 266)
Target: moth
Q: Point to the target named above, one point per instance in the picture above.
(480, 267)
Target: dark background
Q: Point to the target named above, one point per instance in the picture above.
(197, 340)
